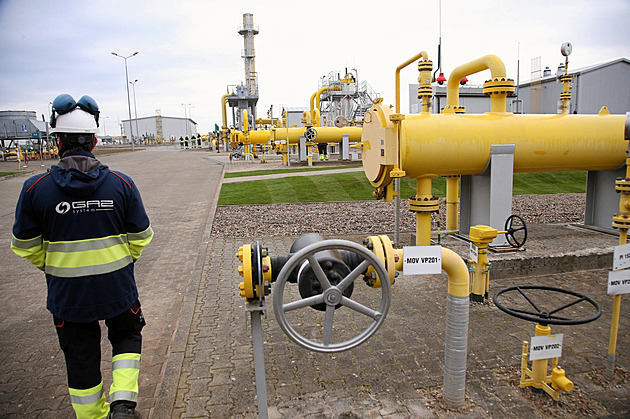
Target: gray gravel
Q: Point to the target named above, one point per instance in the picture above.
(369, 217)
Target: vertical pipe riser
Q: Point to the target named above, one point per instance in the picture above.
(455, 349)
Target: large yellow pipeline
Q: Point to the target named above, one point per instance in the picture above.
(452, 144)
(324, 134)
(460, 144)
(487, 62)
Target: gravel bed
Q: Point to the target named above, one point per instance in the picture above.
(369, 217)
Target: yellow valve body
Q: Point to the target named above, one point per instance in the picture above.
(451, 144)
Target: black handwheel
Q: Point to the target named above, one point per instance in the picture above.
(514, 225)
(540, 314)
(310, 134)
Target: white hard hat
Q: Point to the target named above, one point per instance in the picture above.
(76, 121)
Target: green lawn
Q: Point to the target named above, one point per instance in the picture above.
(2, 174)
(354, 186)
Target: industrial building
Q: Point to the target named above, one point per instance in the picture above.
(20, 127)
(606, 84)
(159, 128)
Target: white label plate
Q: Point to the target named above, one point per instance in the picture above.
(545, 347)
(422, 260)
(621, 257)
(618, 282)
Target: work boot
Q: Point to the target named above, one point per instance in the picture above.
(120, 411)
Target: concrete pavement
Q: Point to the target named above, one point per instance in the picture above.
(197, 357)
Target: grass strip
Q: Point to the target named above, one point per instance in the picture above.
(281, 171)
(354, 186)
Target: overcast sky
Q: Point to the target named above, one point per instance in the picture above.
(190, 51)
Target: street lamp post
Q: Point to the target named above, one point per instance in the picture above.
(133, 84)
(104, 125)
(186, 116)
(128, 98)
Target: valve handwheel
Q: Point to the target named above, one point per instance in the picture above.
(310, 134)
(538, 312)
(332, 296)
(514, 225)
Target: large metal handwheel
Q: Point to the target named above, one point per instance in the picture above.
(332, 296)
(540, 314)
(514, 225)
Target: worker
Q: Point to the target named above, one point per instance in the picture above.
(85, 226)
(198, 140)
(181, 142)
(186, 142)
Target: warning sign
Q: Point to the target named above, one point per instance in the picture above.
(422, 260)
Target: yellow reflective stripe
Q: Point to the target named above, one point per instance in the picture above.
(89, 403)
(87, 257)
(26, 244)
(31, 250)
(89, 270)
(125, 377)
(137, 241)
(85, 245)
(142, 235)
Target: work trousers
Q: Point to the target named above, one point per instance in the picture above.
(81, 345)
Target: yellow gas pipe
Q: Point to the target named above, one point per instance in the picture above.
(452, 202)
(315, 117)
(622, 222)
(224, 128)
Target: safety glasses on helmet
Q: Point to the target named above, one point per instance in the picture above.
(65, 103)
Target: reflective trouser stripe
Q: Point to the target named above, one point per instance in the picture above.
(125, 372)
(89, 403)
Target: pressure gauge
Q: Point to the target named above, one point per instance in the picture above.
(566, 49)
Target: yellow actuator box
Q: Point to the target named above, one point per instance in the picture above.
(483, 234)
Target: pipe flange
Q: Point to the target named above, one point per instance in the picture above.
(425, 91)
(622, 185)
(431, 204)
(621, 221)
(460, 110)
(499, 86)
(425, 65)
(566, 96)
(566, 78)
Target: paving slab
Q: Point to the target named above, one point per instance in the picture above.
(197, 358)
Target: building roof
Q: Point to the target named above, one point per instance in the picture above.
(579, 71)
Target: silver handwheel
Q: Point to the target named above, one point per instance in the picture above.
(333, 297)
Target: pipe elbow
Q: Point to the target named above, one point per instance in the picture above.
(457, 272)
(487, 62)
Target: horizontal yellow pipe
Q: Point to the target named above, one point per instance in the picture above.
(449, 144)
(324, 134)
